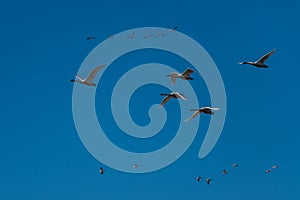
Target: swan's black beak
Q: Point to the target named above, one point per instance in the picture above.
(72, 80)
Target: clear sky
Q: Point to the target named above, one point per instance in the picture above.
(43, 44)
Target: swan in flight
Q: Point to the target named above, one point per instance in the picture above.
(131, 36)
(260, 63)
(208, 181)
(89, 80)
(175, 95)
(224, 172)
(173, 29)
(206, 110)
(91, 37)
(184, 75)
(101, 170)
(235, 165)
(198, 178)
(135, 166)
(268, 171)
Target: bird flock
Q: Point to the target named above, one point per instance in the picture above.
(186, 75)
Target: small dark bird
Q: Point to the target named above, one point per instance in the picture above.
(198, 178)
(235, 165)
(224, 172)
(131, 36)
(260, 63)
(268, 171)
(208, 181)
(101, 170)
(135, 166)
(147, 36)
(173, 29)
(175, 95)
(206, 110)
(91, 37)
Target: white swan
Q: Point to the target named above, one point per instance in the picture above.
(175, 95)
(208, 180)
(184, 75)
(89, 80)
(91, 37)
(206, 110)
(260, 63)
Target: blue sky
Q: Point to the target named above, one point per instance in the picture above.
(43, 45)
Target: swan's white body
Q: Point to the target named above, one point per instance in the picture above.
(89, 80)
(260, 62)
(184, 75)
(206, 110)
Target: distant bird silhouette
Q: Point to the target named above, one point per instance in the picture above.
(268, 171)
(224, 172)
(147, 36)
(184, 75)
(160, 34)
(135, 166)
(89, 80)
(173, 29)
(91, 37)
(198, 178)
(275, 167)
(235, 165)
(131, 36)
(208, 181)
(175, 95)
(260, 63)
(101, 170)
(206, 110)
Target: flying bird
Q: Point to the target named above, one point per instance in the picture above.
(184, 75)
(160, 34)
(268, 171)
(235, 165)
(208, 181)
(147, 36)
(206, 110)
(275, 167)
(135, 166)
(131, 36)
(101, 170)
(91, 37)
(89, 80)
(173, 29)
(198, 178)
(224, 172)
(260, 63)
(175, 95)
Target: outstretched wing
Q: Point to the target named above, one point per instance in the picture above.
(181, 96)
(215, 108)
(195, 114)
(93, 73)
(187, 72)
(167, 98)
(209, 108)
(265, 57)
(79, 77)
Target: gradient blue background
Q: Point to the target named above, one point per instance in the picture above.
(42, 45)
